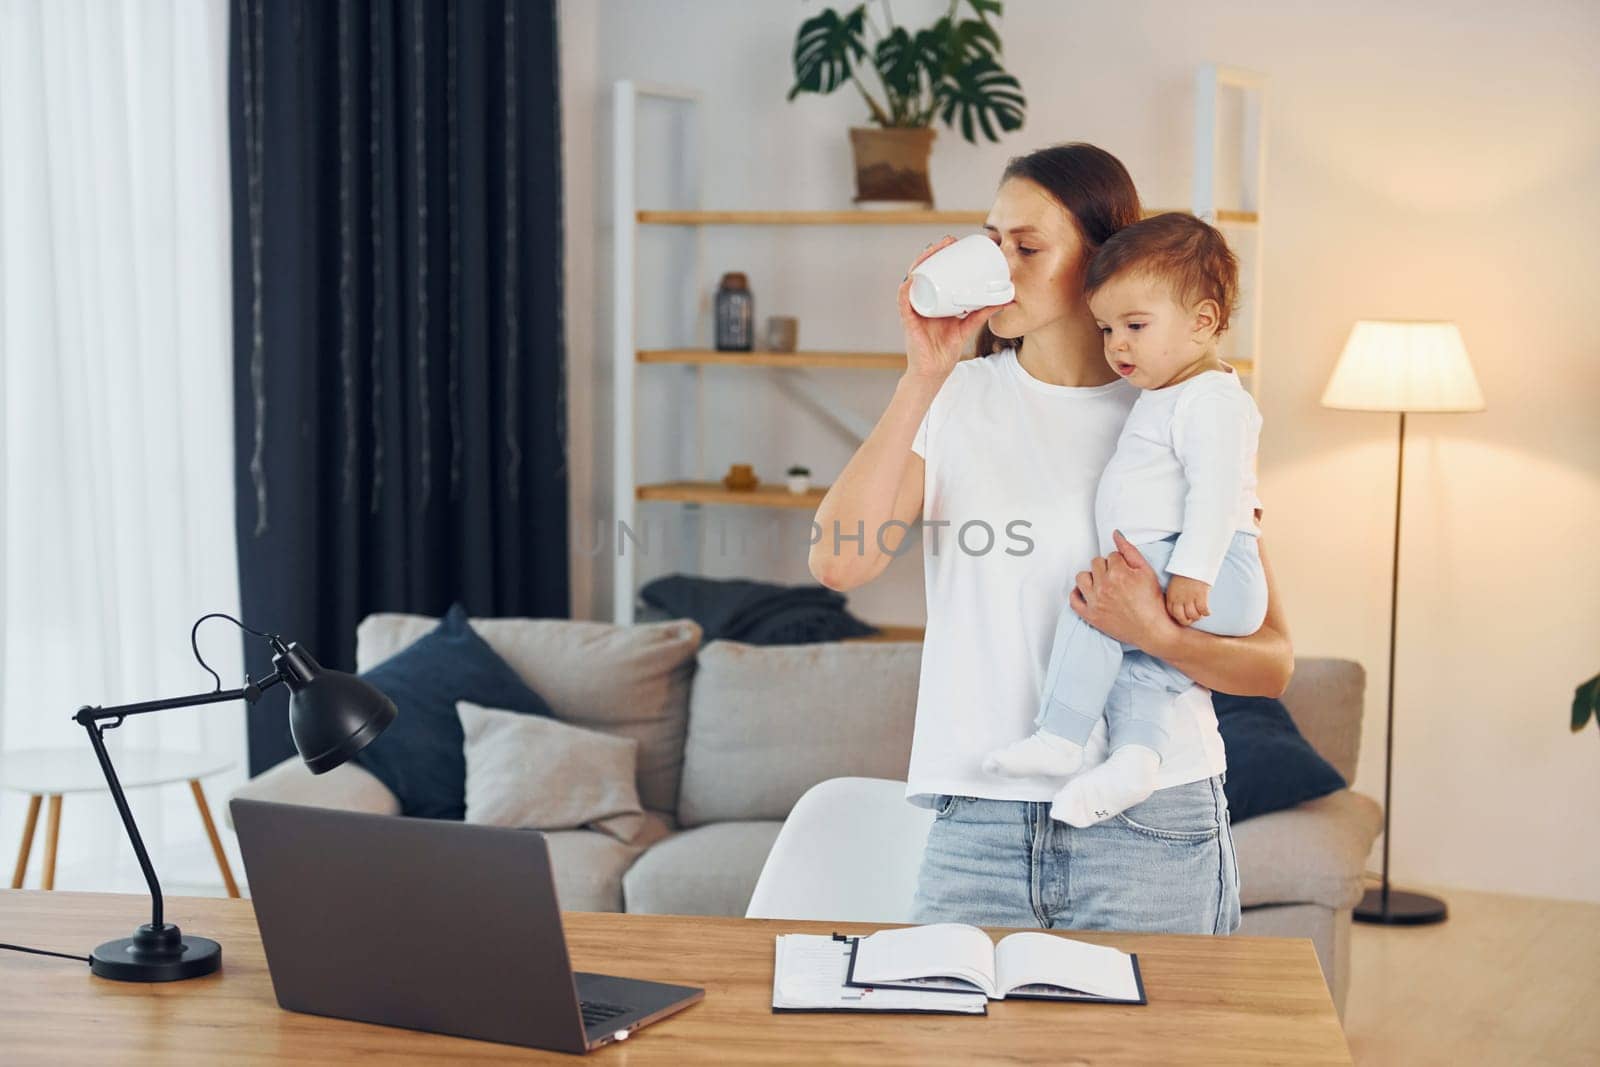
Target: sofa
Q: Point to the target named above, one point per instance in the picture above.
(731, 735)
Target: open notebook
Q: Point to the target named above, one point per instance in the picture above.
(957, 958)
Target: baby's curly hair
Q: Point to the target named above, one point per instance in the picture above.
(1177, 248)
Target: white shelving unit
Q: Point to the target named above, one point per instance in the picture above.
(1229, 177)
(627, 96)
(1225, 100)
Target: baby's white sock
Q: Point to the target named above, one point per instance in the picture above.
(1122, 781)
(1040, 753)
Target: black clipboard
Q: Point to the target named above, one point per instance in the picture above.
(961, 985)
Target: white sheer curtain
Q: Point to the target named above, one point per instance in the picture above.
(116, 478)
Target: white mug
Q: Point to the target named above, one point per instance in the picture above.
(961, 278)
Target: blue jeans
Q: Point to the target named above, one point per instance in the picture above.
(1166, 865)
(1091, 674)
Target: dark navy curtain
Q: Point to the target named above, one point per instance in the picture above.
(398, 341)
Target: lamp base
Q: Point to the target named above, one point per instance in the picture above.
(1400, 909)
(156, 955)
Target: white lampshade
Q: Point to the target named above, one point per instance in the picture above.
(1404, 366)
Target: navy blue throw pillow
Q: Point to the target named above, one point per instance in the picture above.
(1270, 765)
(419, 757)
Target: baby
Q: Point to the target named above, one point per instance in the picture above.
(1180, 486)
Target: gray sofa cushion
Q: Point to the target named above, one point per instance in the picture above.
(1325, 700)
(534, 772)
(711, 870)
(348, 787)
(588, 865)
(1313, 853)
(630, 681)
(768, 722)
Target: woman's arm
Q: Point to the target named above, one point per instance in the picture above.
(1120, 596)
(881, 486)
(881, 483)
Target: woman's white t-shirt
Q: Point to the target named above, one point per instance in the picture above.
(1012, 464)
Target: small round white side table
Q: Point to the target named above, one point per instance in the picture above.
(54, 772)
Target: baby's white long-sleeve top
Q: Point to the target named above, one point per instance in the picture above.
(1185, 464)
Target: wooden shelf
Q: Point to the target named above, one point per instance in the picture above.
(893, 633)
(910, 217)
(764, 495)
(851, 360)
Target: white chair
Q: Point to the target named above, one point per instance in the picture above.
(849, 852)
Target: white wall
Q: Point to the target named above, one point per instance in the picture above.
(1425, 160)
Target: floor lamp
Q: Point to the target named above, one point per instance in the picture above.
(1402, 367)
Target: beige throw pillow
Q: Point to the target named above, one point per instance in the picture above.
(536, 772)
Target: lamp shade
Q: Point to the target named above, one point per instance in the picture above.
(332, 715)
(1404, 366)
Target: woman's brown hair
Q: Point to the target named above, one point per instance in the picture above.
(1094, 188)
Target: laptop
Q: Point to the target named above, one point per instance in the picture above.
(430, 925)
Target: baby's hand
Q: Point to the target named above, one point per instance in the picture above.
(1186, 599)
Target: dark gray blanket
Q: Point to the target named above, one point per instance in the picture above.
(757, 613)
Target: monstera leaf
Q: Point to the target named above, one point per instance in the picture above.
(824, 50)
(906, 64)
(969, 42)
(983, 96)
(950, 69)
(901, 59)
(1586, 703)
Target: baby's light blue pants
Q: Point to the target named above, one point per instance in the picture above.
(1091, 674)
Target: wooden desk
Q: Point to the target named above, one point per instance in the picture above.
(1236, 1000)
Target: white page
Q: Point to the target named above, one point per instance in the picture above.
(1029, 958)
(809, 967)
(809, 972)
(953, 949)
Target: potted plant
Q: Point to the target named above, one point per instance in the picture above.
(799, 479)
(1586, 704)
(950, 71)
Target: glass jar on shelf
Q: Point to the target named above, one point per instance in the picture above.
(735, 314)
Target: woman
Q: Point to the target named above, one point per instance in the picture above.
(999, 457)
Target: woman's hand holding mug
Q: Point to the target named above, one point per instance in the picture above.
(934, 346)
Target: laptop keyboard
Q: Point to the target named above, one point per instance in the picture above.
(596, 1012)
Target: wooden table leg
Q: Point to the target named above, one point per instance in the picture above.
(27, 841)
(211, 832)
(52, 834)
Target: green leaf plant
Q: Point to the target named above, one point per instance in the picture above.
(950, 70)
(1586, 704)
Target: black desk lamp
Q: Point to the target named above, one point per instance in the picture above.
(332, 716)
